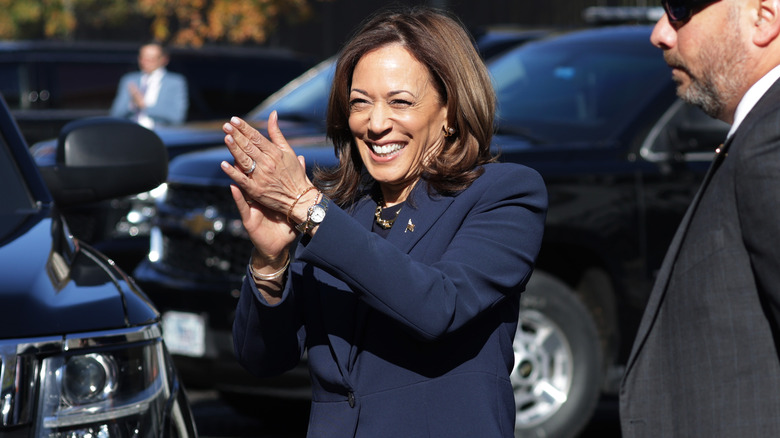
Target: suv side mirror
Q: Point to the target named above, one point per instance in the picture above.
(102, 158)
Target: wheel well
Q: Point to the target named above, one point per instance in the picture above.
(585, 272)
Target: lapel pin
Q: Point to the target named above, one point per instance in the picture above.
(409, 226)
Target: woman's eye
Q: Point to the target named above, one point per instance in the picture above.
(400, 103)
(357, 103)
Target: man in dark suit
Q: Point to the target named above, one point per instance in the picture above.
(152, 96)
(705, 361)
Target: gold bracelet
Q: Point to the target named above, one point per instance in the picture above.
(289, 212)
(268, 277)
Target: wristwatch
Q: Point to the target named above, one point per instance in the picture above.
(314, 216)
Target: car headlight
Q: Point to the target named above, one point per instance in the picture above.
(118, 391)
(138, 211)
(89, 378)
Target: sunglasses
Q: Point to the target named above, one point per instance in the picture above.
(682, 10)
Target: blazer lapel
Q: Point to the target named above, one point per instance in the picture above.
(417, 217)
(765, 104)
(414, 221)
(343, 332)
(662, 280)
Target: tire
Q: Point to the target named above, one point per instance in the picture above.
(557, 374)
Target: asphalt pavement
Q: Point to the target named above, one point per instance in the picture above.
(287, 419)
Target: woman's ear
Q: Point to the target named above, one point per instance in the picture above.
(767, 22)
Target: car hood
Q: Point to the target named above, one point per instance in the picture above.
(191, 137)
(200, 135)
(52, 285)
(202, 167)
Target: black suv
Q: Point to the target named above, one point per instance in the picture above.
(81, 347)
(49, 83)
(594, 111)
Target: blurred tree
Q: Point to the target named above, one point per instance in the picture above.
(180, 22)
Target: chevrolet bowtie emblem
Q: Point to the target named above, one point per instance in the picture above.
(409, 226)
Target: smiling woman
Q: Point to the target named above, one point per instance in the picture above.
(410, 322)
(397, 118)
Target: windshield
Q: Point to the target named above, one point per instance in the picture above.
(304, 99)
(570, 88)
(576, 89)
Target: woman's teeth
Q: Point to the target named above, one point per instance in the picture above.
(387, 149)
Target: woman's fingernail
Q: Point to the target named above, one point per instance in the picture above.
(228, 127)
(229, 139)
(235, 120)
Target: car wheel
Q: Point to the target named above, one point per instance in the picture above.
(557, 372)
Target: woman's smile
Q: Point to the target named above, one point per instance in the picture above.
(386, 150)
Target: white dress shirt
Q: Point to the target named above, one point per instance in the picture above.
(752, 97)
(150, 86)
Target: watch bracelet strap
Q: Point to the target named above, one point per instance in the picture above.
(303, 227)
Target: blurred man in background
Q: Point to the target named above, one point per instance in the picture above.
(152, 96)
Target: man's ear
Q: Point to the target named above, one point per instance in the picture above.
(767, 22)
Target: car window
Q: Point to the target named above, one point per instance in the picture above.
(304, 99)
(81, 85)
(566, 92)
(685, 131)
(12, 84)
(223, 84)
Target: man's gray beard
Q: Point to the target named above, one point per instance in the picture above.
(721, 83)
(704, 95)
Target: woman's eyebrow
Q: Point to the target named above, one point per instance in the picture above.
(391, 93)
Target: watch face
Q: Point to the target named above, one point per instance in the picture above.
(317, 214)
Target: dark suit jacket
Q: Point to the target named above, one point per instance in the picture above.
(172, 102)
(705, 360)
(409, 336)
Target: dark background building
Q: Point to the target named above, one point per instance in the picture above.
(333, 21)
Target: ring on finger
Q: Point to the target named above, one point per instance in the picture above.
(251, 169)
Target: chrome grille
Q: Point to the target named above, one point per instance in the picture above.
(225, 258)
(201, 233)
(18, 378)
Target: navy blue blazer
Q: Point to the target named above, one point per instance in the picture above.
(172, 102)
(409, 336)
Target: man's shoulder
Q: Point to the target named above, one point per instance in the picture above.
(174, 77)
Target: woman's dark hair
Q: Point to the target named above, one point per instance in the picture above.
(440, 43)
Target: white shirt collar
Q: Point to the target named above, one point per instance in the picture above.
(753, 95)
(156, 75)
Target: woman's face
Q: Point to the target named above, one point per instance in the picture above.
(396, 116)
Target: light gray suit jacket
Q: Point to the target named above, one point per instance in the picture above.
(172, 103)
(705, 360)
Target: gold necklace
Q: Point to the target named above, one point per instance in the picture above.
(384, 223)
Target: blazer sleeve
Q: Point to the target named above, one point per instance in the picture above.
(488, 255)
(758, 204)
(120, 107)
(172, 103)
(264, 331)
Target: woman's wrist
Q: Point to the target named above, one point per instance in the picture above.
(299, 207)
(299, 210)
(265, 268)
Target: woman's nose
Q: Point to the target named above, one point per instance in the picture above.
(379, 119)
